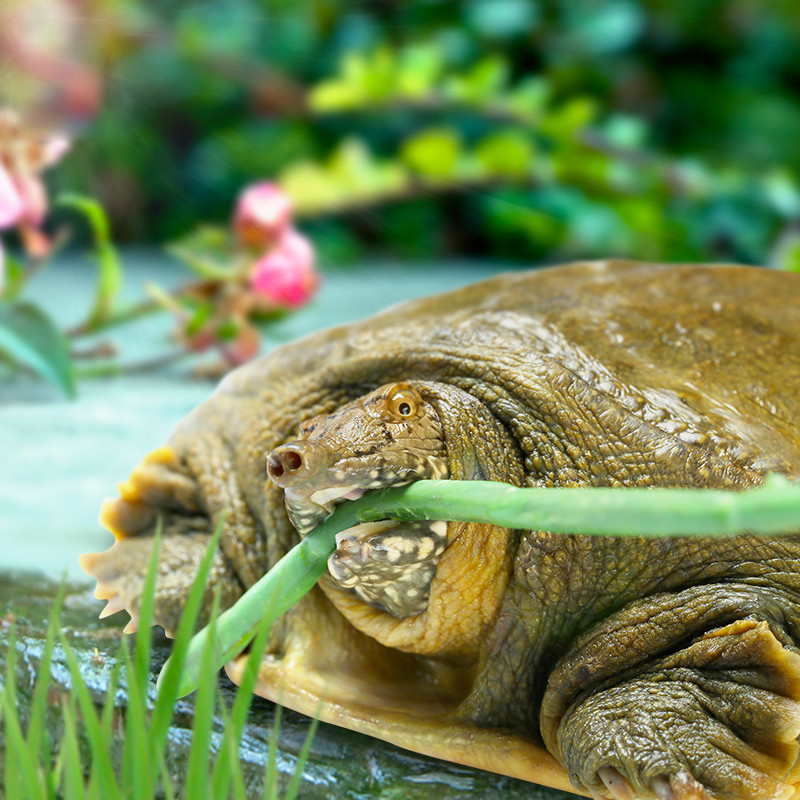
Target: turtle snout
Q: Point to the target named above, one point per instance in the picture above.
(295, 462)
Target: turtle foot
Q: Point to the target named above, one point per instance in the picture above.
(681, 786)
(121, 573)
(390, 564)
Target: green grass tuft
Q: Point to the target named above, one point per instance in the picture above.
(82, 765)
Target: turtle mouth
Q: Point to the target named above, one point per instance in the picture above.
(308, 505)
(389, 565)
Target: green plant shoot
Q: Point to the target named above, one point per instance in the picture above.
(773, 508)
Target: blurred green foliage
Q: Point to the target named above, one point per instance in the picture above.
(522, 129)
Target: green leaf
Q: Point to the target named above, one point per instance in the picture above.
(335, 95)
(433, 153)
(381, 74)
(507, 154)
(420, 67)
(202, 313)
(294, 785)
(311, 188)
(566, 121)
(502, 19)
(96, 733)
(30, 339)
(197, 770)
(14, 278)
(207, 251)
(783, 193)
(604, 28)
(482, 83)
(787, 253)
(110, 278)
(529, 98)
(353, 166)
(625, 131)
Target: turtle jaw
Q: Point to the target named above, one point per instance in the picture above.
(389, 565)
(309, 502)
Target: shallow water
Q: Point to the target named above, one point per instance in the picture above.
(60, 458)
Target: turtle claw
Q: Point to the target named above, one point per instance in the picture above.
(616, 783)
(389, 564)
(661, 788)
(682, 786)
(122, 592)
(114, 605)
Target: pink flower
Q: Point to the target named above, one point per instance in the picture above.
(23, 198)
(263, 214)
(285, 276)
(11, 205)
(48, 52)
(11, 210)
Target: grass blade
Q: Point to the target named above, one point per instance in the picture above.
(166, 781)
(170, 678)
(26, 773)
(9, 710)
(137, 765)
(137, 760)
(271, 773)
(72, 781)
(297, 776)
(226, 757)
(144, 635)
(197, 777)
(97, 734)
(44, 678)
(25, 759)
(235, 724)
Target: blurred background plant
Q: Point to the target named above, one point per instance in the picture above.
(523, 130)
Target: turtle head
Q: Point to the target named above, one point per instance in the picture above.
(390, 437)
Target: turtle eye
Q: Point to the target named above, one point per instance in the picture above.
(403, 402)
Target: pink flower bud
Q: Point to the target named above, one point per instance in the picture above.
(11, 204)
(263, 213)
(54, 150)
(285, 277)
(34, 199)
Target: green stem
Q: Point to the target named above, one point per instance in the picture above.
(110, 369)
(770, 509)
(121, 317)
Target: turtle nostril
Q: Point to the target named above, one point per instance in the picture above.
(288, 464)
(275, 466)
(292, 461)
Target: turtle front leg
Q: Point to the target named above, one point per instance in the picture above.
(685, 696)
(186, 496)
